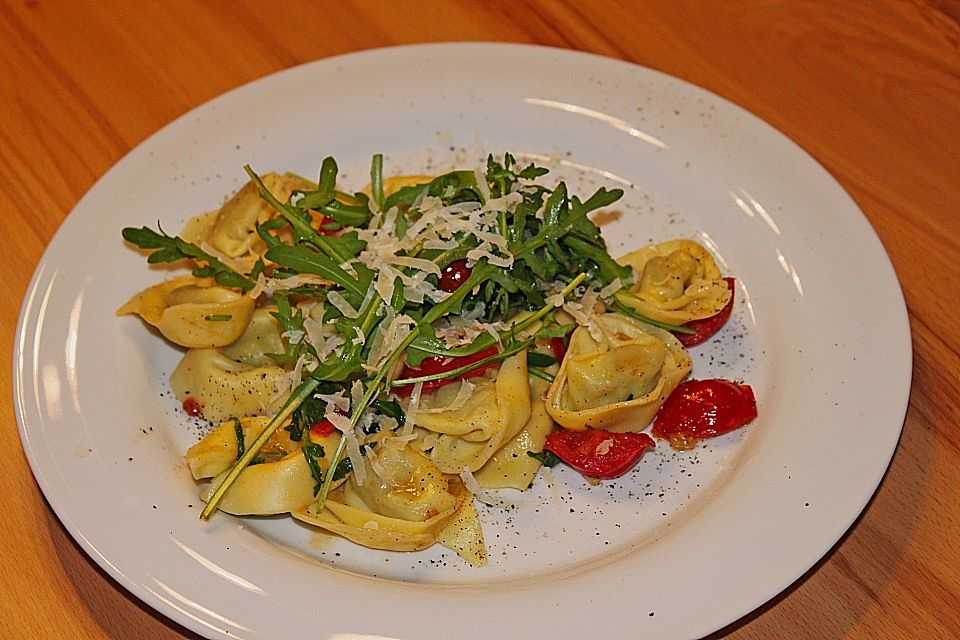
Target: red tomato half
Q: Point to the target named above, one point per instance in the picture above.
(706, 327)
(440, 364)
(702, 409)
(599, 454)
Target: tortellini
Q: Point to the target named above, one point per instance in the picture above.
(619, 381)
(404, 504)
(233, 231)
(240, 379)
(280, 481)
(511, 467)
(193, 312)
(675, 281)
(470, 435)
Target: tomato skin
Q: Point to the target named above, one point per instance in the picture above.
(192, 406)
(706, 327)
(320, 220)
(453, 275)
(441, 364)
(559, 348)
(321, 429)
(579, 449)
(702, 409)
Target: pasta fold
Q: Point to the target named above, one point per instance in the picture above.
(193, 312)
(233, 232)
(619, 381)
(675, 281)
(469, 435)
(280, 481)
(405, 504)
(511, 467)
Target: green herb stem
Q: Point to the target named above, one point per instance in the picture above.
(619, 307)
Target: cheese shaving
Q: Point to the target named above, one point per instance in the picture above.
(463, 394)
(270, 285)
(611, 288)
(481, 494)
(337, 300)
(412, 408)
(356, 458)
(335, 401)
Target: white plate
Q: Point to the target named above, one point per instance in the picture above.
(681, 546)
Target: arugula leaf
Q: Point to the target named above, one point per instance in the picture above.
(175, 248)
(376, 180)
(313, 452)
(290, 321)
(238, 431)
(310, 412)
(300, 223)
(627, 311)
(305, 260)
(537, 359)
(546, 458)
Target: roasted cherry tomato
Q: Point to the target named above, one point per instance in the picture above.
(321, 429)
(453, 275)
(704, 408)
(192, 406)
(440, 364)
(559, 348)
(599, 454)
(320, 220)
(706, 327)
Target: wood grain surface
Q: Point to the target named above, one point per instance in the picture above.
(871, 88)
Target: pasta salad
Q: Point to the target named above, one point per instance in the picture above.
(377, 360)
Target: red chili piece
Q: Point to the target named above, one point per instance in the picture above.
(453, 275)
(704, 408)
(599, 454)
(559, 348)
(192, 407)
(706, 327)
(440, 364)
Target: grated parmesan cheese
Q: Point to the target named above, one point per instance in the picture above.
(611, 288)
(463, 394)
(412, 408)
(482, 494)
(337, 300)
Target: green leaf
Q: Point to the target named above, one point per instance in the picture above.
(305, 260)
(313, 452)
(175, 248)
(546, 458)
(310, 412)
(537, 359)
(627, 311)
(238, 432)
(376, 180)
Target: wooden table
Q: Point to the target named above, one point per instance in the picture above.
(871, 88)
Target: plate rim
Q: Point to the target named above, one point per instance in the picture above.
(21, 345)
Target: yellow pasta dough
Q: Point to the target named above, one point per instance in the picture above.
(675, 281)
(617, 380)
(280, 483)
(193, 312)
(496, 411)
